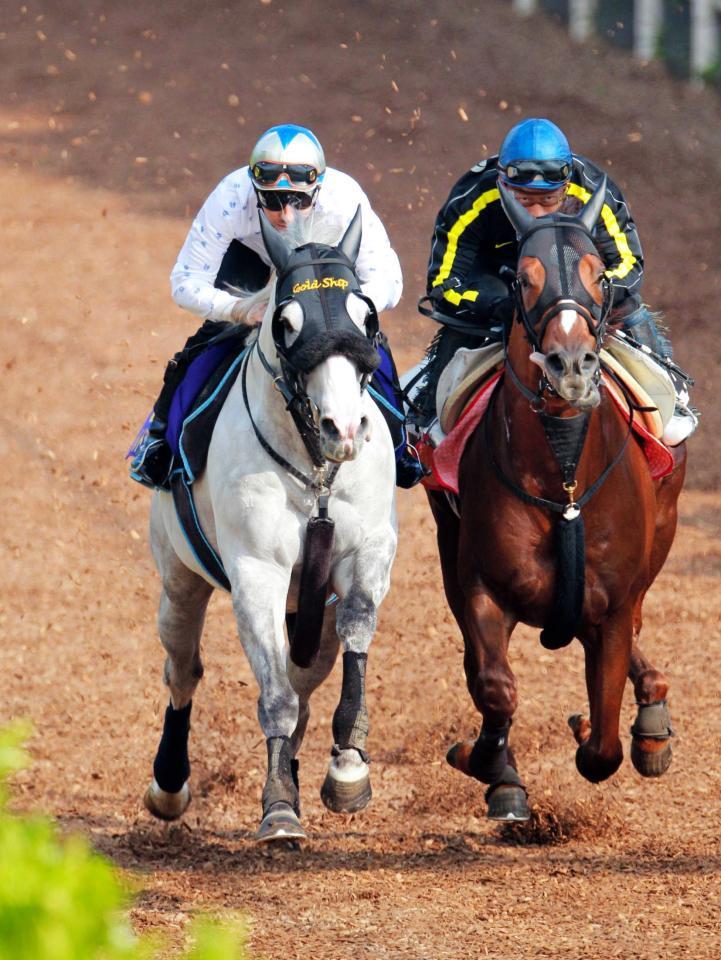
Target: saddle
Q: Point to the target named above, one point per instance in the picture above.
(468, 380)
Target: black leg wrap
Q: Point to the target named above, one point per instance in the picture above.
(489, 756)
(350, 720)
(281, 784)
(171, 767)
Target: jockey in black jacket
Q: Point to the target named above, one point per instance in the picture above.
(473, 241)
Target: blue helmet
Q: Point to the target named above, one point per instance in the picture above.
(287, 157)
(535, 155)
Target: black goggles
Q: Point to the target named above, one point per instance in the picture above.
(526, 171)
(279, 199)
(266, 173)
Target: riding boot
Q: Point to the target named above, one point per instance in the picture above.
(152, 463)
(387, 393)
(641, 325)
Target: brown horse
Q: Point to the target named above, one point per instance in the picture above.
(560, 524)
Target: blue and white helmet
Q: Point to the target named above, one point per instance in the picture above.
(535, 155)
(287, 157)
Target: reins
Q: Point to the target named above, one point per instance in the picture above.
(309, 435)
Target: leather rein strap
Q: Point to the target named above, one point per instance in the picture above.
(325, 478)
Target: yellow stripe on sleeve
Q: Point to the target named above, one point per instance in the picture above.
(453, 235)
(611, 224)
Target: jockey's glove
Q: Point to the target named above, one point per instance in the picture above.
(501, 310)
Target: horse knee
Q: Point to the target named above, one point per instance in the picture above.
(597, 765)
(494, 692)
(182, 676)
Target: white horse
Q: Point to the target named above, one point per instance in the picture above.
(254, 502)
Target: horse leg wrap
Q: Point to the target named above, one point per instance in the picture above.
(489, 756)
(281, 783)
(171, 767)
(350, 720)
(653, 721)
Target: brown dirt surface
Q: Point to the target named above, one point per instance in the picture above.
(117, 121)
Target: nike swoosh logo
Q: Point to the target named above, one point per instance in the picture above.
(504, 244)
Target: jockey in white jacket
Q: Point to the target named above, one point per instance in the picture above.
(231, 213)
(287, 177)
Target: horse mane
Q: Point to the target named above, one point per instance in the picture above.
(316, 228)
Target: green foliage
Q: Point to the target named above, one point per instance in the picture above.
(59, 900)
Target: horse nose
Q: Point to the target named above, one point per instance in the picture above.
(336, 433)
(574, 363)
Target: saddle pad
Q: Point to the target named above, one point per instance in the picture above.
(642, 369)
(651, 419)
(446, 457)
(461, 376)
(659, 457)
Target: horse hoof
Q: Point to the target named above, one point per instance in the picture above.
(164, 805)
(508, 804)
(280, 823)
(347, 784)
(651, 758)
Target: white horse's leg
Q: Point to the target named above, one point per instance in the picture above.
(183, 602)
(305, 681)
(259, 592)
(347, 785)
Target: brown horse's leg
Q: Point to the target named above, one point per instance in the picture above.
(608, 656)
(492, 686)
(651, 744)
(651, 732)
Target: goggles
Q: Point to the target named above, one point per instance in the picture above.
(279, 199)
(265, 173)
(522, 172)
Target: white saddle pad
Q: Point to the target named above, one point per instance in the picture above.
(466, 369)
(655, 382)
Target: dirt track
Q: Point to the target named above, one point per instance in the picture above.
(97, 194)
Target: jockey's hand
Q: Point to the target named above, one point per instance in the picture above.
(502, 310)
(241, 314)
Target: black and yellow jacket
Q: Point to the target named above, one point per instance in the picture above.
(473, 239)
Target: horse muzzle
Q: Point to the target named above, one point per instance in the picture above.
(340, 443)
(573, 374)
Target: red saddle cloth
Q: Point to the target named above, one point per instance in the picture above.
(445, 459)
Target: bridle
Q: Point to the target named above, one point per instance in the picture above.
(325, 276)
(573, 295)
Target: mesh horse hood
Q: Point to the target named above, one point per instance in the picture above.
(560, 242)
(319, 278)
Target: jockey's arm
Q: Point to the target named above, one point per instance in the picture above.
(212, 231)
(377, 266)
(455, 262)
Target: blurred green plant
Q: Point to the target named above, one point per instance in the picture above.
(60, 900)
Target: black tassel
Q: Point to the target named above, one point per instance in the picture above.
(570, 584)
(314, 577)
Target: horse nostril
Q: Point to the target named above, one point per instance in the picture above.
(364, 424)
(589, 361)
(329, 428)
(555, 363)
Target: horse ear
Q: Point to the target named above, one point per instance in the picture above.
(278, 248)
(521, 219)
(591, 211)
(350, 244)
